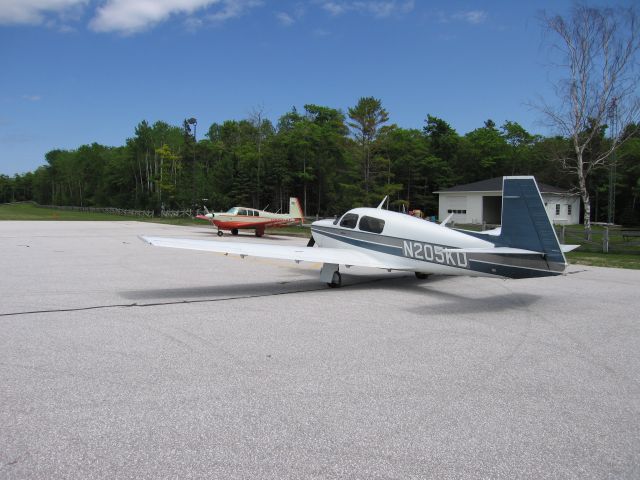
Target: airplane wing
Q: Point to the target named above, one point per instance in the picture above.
(338, 256)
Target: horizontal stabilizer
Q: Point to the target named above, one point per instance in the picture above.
(568, 248)
(495, 250)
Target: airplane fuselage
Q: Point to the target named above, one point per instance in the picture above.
(415, 244)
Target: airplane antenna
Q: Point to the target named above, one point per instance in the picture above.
(382, 202)
(265, 208)
(446, 220)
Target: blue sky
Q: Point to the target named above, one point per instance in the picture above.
(81, 71)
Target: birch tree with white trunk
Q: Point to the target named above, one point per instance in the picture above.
(597, 50)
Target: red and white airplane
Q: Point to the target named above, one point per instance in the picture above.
(237, 218)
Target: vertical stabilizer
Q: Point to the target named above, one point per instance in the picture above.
(295, 210)
(525, 223)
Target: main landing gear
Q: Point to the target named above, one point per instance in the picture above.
(336, 280)
(234, 231)
(422, 276)
(331, 275)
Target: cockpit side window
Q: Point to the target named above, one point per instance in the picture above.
(242, 211)
(371, 224)
(350, 220)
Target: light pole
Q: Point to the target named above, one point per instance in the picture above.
(194, 122)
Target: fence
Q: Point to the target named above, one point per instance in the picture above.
(606, 239)
(125, 212)
(176, 213)
(110, 210)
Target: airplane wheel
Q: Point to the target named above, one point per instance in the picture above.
(421, 275)
(220, 233)
(336, 281)
(234, 231)
(259, 233)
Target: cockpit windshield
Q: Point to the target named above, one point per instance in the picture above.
(233, 211)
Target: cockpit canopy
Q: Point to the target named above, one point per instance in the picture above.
(367, 223)
(243, 211)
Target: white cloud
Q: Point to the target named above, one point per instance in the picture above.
(232, 9)
(34, 12)
(32, 98)
(131, 16)
(334, 8)
(385, 9)
(285, 19)
(474, 17)
(380, 9)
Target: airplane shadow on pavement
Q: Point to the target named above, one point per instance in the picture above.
(222, 291)
(439, 301)
(275, 287)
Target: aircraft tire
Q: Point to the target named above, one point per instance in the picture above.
(234, 231)
(259, 233)
(220, 233)
(422, 276)
(336, 281)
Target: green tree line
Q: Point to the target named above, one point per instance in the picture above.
(331, 160)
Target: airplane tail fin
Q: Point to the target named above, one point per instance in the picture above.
(525, 223)
(295, 210)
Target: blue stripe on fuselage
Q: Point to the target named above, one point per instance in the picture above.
(389, 249)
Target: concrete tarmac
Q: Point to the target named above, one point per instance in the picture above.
(123, 360)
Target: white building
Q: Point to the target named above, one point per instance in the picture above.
(481, 202)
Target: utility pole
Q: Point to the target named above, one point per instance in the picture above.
(611, 209)
(194, 122)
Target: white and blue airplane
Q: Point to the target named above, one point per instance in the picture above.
(524, 246)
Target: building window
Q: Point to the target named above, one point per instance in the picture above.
(557, 209)
(568, 209)
(461, 212)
